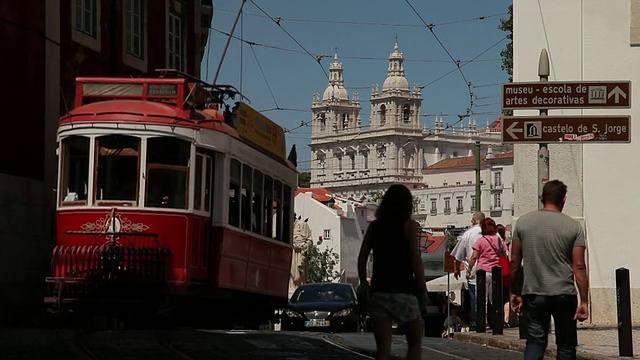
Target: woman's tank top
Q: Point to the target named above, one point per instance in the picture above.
(392, 270)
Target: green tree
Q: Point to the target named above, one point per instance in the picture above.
(320, 265)
(506, 25)
(304, 180)
(293, 156)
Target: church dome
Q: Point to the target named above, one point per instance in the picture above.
(395, 83)
(337, 92)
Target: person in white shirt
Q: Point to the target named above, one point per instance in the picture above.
(462, 252)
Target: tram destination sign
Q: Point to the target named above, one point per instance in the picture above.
(565, 95)
(550, 129)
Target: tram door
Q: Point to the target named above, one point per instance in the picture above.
(202, 205)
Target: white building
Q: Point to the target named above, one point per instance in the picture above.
(587, 40)
(448, 197)
(360, 161)
(337, 224)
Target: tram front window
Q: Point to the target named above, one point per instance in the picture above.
(118, 162)
(75, 170)
(167, 172)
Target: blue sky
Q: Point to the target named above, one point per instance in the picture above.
(276, 72)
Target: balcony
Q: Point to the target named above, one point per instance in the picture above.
(447, 211)
(495, 207)
(496, 186)
(433, 212)
(459, 210)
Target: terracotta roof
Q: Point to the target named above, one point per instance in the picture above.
(465, 162)
(319, 194)
(437, 241)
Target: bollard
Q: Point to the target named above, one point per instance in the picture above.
(481, 301)
(522, 318)
(496, 300)
(623, 300)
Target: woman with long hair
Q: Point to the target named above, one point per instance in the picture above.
(397, 274)
(486, 251)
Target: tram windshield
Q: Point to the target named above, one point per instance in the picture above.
(75, 171)
(118, 162)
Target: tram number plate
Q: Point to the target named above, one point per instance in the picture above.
(316, 323)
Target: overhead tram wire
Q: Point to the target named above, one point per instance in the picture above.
(369, 23)
(226, 46)
(464, 62)
(315, 58)
(264, 76)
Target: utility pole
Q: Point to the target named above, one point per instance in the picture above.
(478, 189)
(543, 149)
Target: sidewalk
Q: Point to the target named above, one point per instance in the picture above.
(594, 343)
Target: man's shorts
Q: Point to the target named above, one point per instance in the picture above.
(399, 307)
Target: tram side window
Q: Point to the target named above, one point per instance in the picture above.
(167, 172)
(234, 193)
(286, 215)
(247, 184)
(256, 212)
(118, 164)
(267, 207)
(75, 175)
(197, 190)
(277, 209)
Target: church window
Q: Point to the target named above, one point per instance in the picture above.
(383, 114)
(406, 113)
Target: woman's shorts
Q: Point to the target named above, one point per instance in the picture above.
(399, 307)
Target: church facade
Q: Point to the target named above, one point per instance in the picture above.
(360, 160)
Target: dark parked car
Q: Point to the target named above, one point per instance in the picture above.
(323, 307)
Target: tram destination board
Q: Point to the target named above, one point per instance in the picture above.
(568, 129)
(566, 95)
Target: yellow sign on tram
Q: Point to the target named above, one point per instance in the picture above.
(258, 129)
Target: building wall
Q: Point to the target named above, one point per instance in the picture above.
(586, 40)
(26, 164)
(321, 218)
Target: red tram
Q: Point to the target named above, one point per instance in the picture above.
(167, 201)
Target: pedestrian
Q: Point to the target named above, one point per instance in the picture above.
(486, 253)
(505, 289)
(397, 274)
(551, 246)
(462, 253)
(452, 324)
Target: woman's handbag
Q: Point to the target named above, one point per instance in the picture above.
(503, 261)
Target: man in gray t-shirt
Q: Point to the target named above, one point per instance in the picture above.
(551, 247)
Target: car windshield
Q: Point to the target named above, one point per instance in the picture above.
(319, 293)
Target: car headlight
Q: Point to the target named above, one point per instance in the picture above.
(344, 312)
(291, 313)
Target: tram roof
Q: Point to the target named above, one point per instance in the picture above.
(147, 112)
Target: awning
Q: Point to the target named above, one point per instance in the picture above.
(440, 284)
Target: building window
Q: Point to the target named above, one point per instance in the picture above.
(86, 17)
(339, 158)
(406, 114)
(473, 203)
(459, 208)
(447, 206)
(496, 201)
(434, 209)
(345, 121)
(352, 157)
(365, 157)
(327, 234)
(135, 27)
(383, 114)
(497, 180)
(176, 42)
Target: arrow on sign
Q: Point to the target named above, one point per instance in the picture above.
(617, 92)
(511, 130)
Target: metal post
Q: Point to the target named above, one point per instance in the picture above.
(522, 319)
(623, 299)
(496, 300)
(448, 301)
(543, 150)
(478, 188)
(481, 301)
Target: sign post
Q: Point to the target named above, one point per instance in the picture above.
(543, 148)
